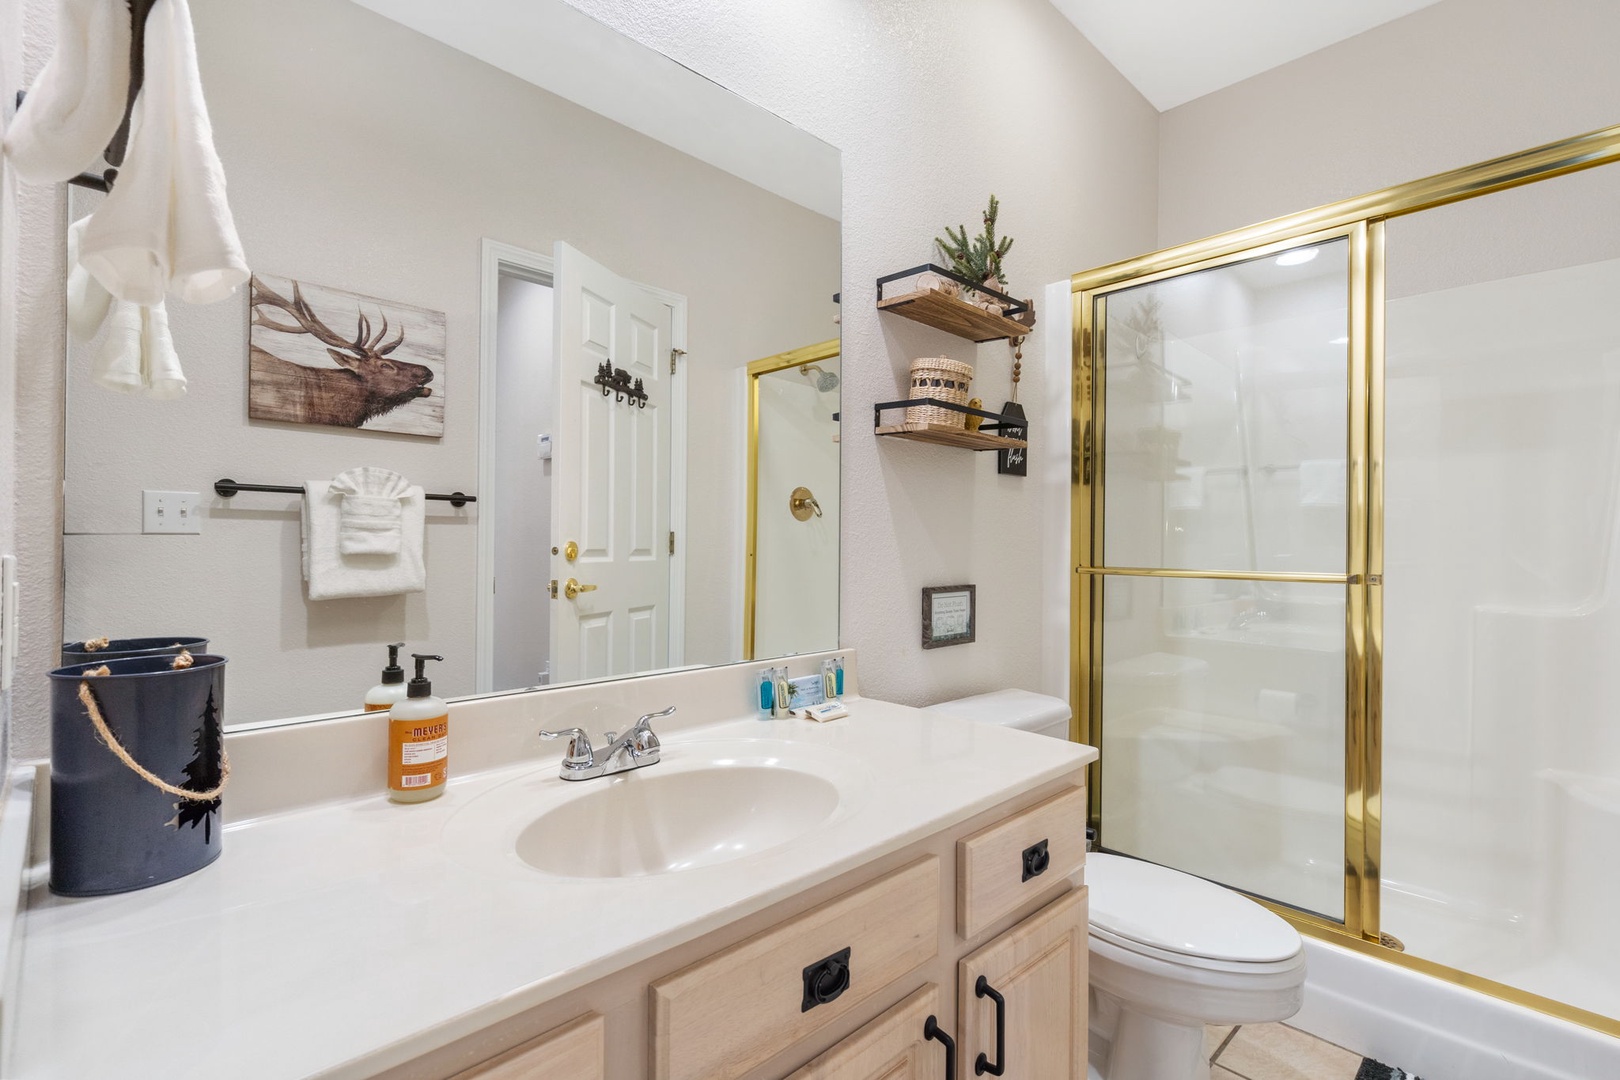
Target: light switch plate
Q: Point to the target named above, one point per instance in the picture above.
(171, 512)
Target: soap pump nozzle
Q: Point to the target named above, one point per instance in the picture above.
(420, 687)
(393, 673)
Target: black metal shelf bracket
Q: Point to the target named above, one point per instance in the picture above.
(1002, 420)
(1010, 307)
(227, 488)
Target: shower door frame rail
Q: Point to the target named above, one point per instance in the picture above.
(1359, 220)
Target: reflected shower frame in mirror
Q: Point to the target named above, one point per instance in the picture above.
(600, 77)
(819, 353)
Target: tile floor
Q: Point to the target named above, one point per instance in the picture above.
(1275, 1052)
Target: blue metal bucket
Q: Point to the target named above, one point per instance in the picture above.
(74, 652)
(111, 830)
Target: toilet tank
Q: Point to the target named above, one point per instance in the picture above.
(1020, 709)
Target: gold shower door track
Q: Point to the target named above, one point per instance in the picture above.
(1360, 221)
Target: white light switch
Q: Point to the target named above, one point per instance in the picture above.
(170, 512)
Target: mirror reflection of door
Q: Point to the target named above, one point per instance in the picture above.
(611, 478)
(791, 591)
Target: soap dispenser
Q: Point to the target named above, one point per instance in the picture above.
(391, 691)
(418, 740)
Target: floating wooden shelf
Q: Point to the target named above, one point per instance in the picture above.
(953, 315)
(951, 436)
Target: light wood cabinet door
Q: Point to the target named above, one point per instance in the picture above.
(892, 1047)
(575, 1051)
(1039, 968)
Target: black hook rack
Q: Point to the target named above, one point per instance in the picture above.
(226, 488)
(139, 10)
(617, 382)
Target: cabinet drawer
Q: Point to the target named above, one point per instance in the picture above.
(724, 1015)
(892, 1047)
(575, 1051)
(995, 876)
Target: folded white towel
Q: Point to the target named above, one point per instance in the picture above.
(369, 517)
(77, 102)
(137, 354)
(167, 224)
(332, 575)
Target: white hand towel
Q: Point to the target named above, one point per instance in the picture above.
(369, 517)
(117, 364)
(331, 575)
(137, 354)
(166, 224)
(87, 301)
(76, 104)
(161, 376)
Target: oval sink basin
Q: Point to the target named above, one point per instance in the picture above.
(647, 822)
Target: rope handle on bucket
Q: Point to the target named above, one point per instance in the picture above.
(88, 697)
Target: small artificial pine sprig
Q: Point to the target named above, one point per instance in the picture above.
(980, 258)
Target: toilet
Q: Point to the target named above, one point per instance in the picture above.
(1170, 952)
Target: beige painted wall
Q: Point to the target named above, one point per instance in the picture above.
(935, 104)
(1455, 83)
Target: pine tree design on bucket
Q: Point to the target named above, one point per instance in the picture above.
(203, 773)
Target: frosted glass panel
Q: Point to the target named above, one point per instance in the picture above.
(1225, 429)
(1501, 823)
(1223, 732)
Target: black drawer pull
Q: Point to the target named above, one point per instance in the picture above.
(932, 1030)
(825, 979)
(983, 989)
(1036, 860)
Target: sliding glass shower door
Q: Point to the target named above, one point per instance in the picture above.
(1220, 564)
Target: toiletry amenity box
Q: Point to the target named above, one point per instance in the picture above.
(113, 830)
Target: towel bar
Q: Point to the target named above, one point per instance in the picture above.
(227, 487)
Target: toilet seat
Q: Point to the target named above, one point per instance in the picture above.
(1154, 911)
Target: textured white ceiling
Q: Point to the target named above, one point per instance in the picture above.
(1177, 50)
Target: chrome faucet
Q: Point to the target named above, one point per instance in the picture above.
(637, 748)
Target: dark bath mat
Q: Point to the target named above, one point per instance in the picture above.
(1377, 1070)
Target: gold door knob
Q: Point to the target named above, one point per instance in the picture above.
(572, 589)
(570, 551)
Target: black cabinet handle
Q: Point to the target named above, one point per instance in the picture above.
(983, 989)
(1036, 860)
(932, 1030)
(825, 979)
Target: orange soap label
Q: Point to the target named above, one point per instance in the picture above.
(378, 708)
(418, 753)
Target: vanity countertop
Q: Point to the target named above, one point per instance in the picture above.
(339, 940)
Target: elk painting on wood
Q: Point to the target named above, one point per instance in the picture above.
(324, 356)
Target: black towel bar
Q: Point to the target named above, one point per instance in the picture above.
(226, 488)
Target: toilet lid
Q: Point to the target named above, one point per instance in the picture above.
(1175, 912)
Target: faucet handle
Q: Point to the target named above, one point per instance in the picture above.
(580, 754)
(644, 737)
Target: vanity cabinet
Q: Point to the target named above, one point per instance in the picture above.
(576, 1051)
(838, 983)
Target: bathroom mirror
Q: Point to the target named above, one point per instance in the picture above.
(527, 196)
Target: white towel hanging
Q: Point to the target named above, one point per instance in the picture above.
(166, 225)
(76, 104)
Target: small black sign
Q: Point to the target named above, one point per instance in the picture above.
(1014, 461)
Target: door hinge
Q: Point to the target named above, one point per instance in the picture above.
(674, 355)
(672, 542)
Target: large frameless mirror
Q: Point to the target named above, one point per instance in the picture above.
(583, 245)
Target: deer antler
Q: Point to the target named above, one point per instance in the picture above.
(308, 322)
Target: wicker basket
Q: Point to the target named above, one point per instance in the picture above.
(942, 378)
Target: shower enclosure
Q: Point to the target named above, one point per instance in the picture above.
(1346, 519)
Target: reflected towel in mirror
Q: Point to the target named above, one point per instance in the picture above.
(332, 575)
(77, 102)
(371, 511)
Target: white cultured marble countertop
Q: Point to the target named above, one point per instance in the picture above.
(344, 939)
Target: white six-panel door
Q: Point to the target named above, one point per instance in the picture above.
(610, 476)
